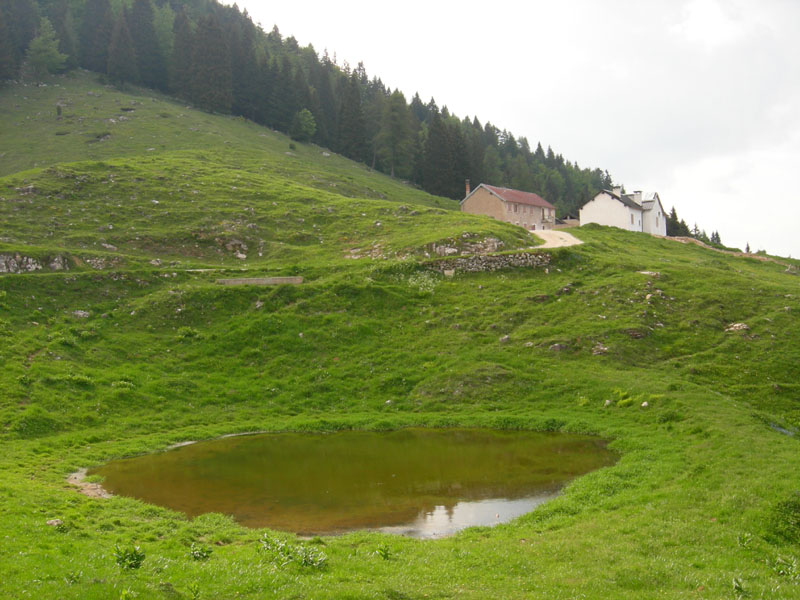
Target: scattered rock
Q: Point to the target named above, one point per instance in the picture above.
(300, 334)
(655, 274)
(326, 154)
(55, 522)
(81, 314)
(528, 344)
(737, 327)
(599, 349)
(635, 334)
(449, 272)
(505, 339)
(645, 404)
(58, 263)
(108, 246)
(240, 256)
(607, 403)
(259, 304)
(156, 262)
(558, 347)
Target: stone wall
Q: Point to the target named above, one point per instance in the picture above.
(17, 263)
(494, 262)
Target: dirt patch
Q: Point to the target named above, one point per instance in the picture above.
(556, 239)
(93, 490)
(688, 240)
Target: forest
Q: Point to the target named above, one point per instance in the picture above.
(216, 58)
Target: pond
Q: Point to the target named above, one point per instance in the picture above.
(419, 482)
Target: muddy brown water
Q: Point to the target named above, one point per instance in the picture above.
(419, 482)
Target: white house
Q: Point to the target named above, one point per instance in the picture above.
(634, 212)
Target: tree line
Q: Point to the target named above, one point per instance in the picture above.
(215, 57)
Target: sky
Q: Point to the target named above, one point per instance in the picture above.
(698, 100)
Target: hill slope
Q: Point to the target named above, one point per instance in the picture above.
(122, 356)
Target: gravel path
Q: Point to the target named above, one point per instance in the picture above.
(556, 238)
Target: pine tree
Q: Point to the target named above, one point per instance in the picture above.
(351, 140)
(8, 67)
(245, 70)
(43, 55)
(122, 65)
(438, 167)
(149, 59)
(60, 15)
(284, 102)
(182, 47)
(395, 135)
(22, 21)
(211, 80)
(95, 38)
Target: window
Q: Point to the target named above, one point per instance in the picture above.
(631, 218)
(516, 208)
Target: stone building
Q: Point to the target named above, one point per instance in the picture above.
(525, 209)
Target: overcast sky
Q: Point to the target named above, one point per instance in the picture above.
(698, 100)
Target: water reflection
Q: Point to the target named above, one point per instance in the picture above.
(419, 482)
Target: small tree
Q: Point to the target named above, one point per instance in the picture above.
(303, 126)
(43, 55)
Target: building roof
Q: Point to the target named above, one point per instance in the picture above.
(517, 196)
(625, 199)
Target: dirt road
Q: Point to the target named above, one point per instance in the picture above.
(554, 238)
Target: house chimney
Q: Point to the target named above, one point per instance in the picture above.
(467, 185)
(618, 190)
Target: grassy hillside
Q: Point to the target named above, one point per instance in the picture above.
(122, 356)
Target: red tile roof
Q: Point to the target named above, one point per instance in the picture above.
(519, 197)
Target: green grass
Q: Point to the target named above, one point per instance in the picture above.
(703, 502)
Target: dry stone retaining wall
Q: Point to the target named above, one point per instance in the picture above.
(495, 262)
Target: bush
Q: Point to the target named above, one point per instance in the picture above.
(128, 558)
(785, 519)
(199, 553)
(284, 553)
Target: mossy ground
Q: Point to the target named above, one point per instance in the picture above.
(703, 502)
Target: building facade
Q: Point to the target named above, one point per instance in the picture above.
(634, 212)
(525, 209)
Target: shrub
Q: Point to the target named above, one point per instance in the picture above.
(785, 518)
(128, 558)
(199, 553)
(283, 553)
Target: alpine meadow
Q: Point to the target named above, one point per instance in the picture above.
(139, 168)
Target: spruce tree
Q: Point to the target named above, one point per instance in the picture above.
(43, 55)
(438, 167)
(395, 135)
(8, 67)
(284, 103)
(23, 21)
(60, 15)
(95, 38)
(352, 140)
(182, 48)
(122, 65)
(211, 80)
(149, 59)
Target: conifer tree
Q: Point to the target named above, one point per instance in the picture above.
(438, 168)
(245, 70)
(95, 38)
(122, 65)
(61, 17)
(43, 55)
(22, 21)
(395, 135)
(211, 80)
(284, 102)
(352, 141)
(149, 59)
(182, 47)
(7, 62)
